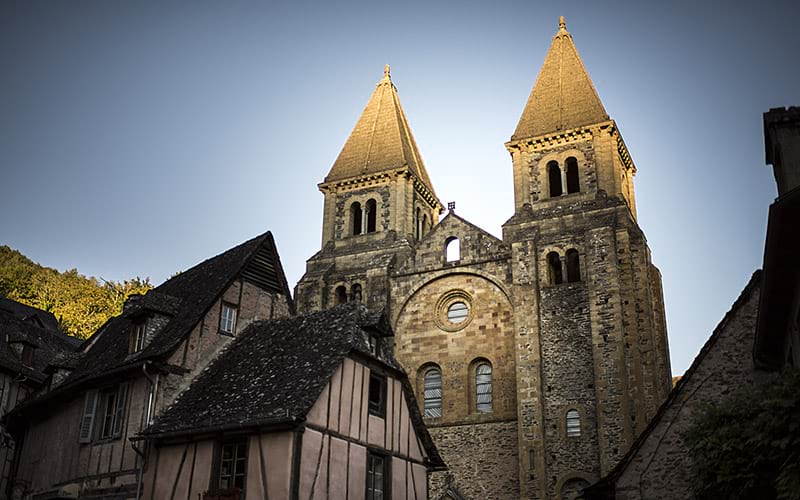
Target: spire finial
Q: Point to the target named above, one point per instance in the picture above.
(386, 72)
(562, 23)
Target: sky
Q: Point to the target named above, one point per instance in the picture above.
(138, 138)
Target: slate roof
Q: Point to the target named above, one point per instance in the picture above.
(28, 313)
(563, 97)
(48, 344)
(185, 298)
(381, 140)
(275, 371)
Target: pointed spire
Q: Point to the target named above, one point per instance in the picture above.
(563, 96)
(381, 139)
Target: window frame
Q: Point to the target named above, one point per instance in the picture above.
(377, 409)
(219, 453)
(386, 475)
(478, 404)
(573, 415)
(138, 335)
(425, 399)
(104, 413)
(223, 320)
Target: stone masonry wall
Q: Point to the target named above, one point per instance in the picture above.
(482, 460)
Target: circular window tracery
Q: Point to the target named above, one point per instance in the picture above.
(453, 310)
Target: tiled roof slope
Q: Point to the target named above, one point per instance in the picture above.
(381, 140)
(186, 297)
(49, 345)
(275, 371)
(26, 312)
(563, 97)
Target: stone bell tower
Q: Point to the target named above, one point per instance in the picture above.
(592, 354)
(379, 200)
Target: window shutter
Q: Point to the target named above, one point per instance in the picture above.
(87, 420)
(119, 413)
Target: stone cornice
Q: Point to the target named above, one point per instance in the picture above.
(382, 178)
(557, 138)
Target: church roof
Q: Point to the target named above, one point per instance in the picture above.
(563, 97)
(381, 139)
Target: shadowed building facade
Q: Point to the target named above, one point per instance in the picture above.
(539, 357)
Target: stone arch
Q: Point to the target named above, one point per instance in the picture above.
(480, 385)
(447, 272)
(570, 485)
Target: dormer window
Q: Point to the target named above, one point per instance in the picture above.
(227, 320)
(138, 335)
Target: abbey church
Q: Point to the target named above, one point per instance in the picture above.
(537, 358)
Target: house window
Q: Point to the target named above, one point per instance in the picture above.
(432, 390)
(27, 355)
(457, 312)
(483, 387)
(377, 395)
(227, 320)
(111, 407)
(377, 476)
(232, 465)
(138, 335)
(573, 423)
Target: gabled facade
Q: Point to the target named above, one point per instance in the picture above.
(74, 439)
(538, 358)
(309, 407)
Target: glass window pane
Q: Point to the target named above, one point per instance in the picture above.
(457, 312)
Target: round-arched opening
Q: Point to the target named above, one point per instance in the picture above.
(457, 312)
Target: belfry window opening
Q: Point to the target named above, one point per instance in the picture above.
(573, 184)
(355, 218)
(452, 250)
(417, 224)
(554, 178)
(371, 215)
(355, 293)
(556, 276)
(341, 294)
(573, 266)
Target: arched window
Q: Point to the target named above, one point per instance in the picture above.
(573, 186)
(554, 268)
(573, 423)
(372, 215)
(432, 390)
(355, 218)
(573, 266)
(554, 176)
(424, 225)
(483, 387)
(418, 224)
(341, 294)
(452, 250)
(355, 293)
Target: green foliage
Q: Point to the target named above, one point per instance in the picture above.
(749, 446)
(81, 304)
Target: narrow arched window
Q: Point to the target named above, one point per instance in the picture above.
(483, 388)
(573, 266)
(554, 177)
(418, 223)
(573, 423)
(452, 250)
(341, 294)
(355, 218)
(424, 225)
(573, 186)
(372, 215)
(554, 268)
(355, 293)
(432, 390)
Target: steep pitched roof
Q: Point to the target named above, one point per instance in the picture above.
(185, 299)
(381, 139)
(563, 96)
(275, 371)
(49, 345)
(29, 313)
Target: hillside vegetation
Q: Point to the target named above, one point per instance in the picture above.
(81, 304)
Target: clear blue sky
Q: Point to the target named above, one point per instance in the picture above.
(138, 138)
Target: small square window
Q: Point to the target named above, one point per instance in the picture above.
(377, 395)
(227, 320)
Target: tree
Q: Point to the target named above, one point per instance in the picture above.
(749, 446)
